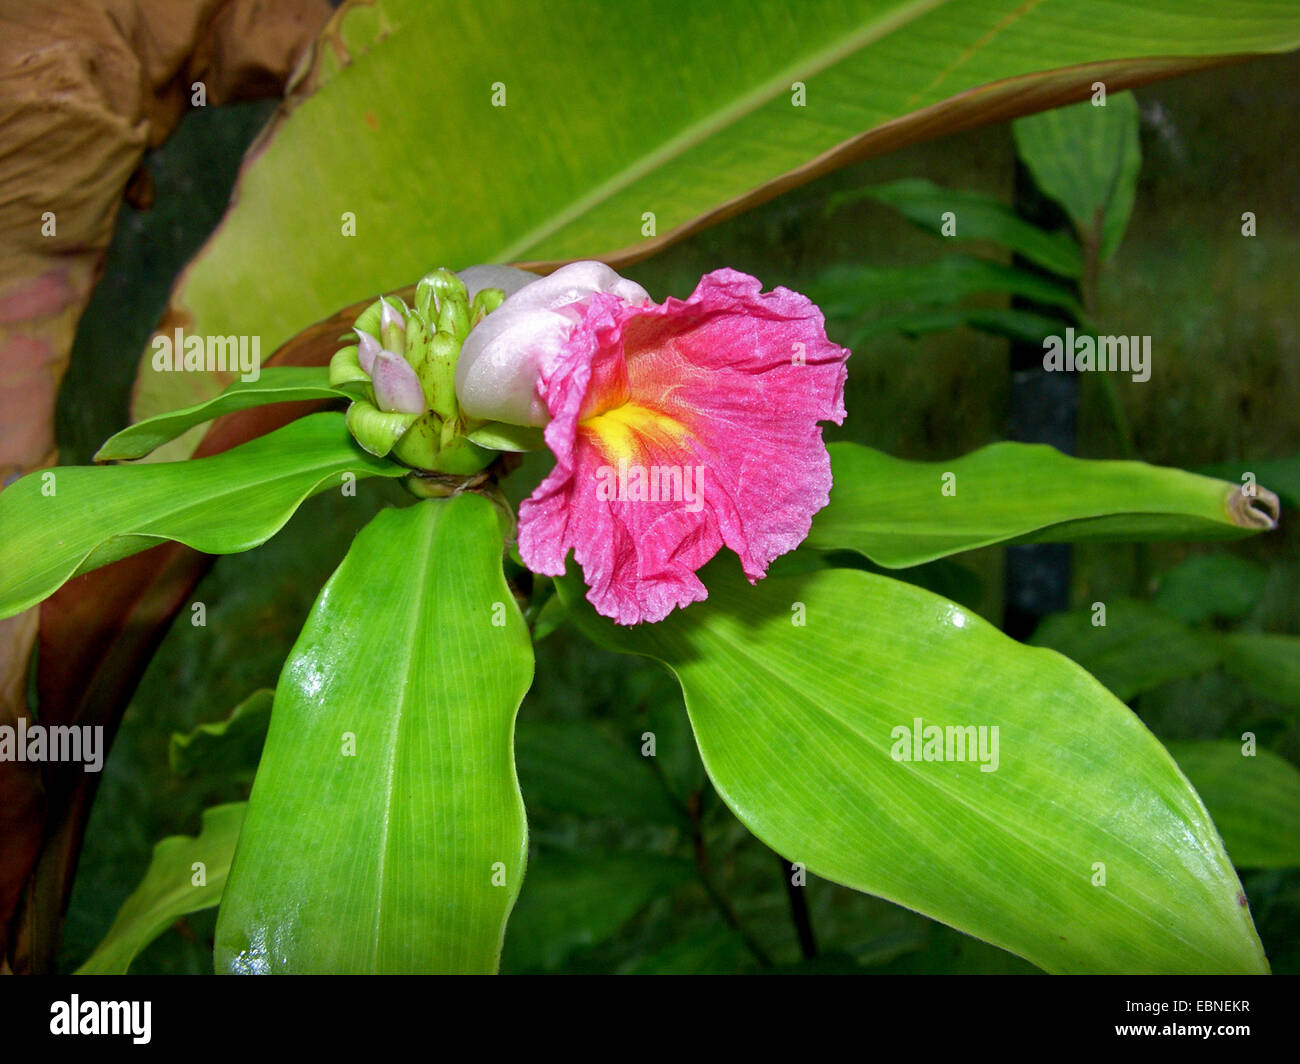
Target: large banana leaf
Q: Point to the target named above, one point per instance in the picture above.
(385, 832)
(682, 111)
(1084, 849)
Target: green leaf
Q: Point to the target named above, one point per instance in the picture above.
(550, 617)
(169, 891)
(277, 384)
(1211, 586)
(233, 745)
(1141, 647)
(572, 901)
(1137, 649)
(978, 217)
(848, 291)
(385, 831)
(691, 122)
(1268, 664)
(800, 691)
(1255, 800)
(1280, 474)
(574, 767)
(1087, 158)
(1020, 325)
(896, 513)
(64, 521)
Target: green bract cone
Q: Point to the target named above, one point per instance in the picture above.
(384, 416)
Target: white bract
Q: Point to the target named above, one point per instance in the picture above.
(500, 362)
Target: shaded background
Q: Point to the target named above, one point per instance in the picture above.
(1221, 309)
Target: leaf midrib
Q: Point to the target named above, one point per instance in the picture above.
(872, 30)
(420, 581)
(737, 652)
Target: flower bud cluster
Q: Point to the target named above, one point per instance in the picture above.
(401, 373)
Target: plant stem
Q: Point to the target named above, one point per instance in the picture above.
(799, 911)
(705, 875)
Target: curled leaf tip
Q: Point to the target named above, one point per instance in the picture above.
(1256, 509)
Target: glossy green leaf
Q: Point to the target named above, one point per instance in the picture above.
(276, 384)
(1255, 800)
(1211, 586)
(554, 134)
(1137, 647)
(574, 767)
(572, 901)
(232, 745)
(1087, 158)
(977, 217)
(187, 873)
(63, 521)
(385, 830)
(801, 690)
(896, 512)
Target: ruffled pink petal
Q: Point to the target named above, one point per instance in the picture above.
(731, 382)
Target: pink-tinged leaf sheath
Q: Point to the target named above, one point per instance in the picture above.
(397, 388)
(367, 348)
(678, 429)
(500, 362)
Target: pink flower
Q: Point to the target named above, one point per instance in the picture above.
(677, 429)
